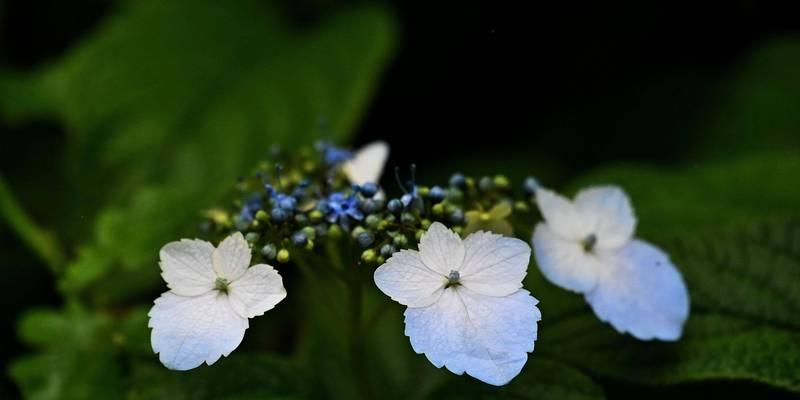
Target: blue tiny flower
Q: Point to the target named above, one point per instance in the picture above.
(340, 207)
(333, 155)
(282, 200)
(250, 207)
(279, 215)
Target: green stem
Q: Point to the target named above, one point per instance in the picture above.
(357, 334)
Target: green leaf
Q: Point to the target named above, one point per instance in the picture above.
(751, 272)
(756, 107)
(242, 376)
(713, 347)
(540, 379)
(167, 102)
(76, 357)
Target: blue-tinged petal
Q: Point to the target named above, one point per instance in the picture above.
(564, 262)
(487, 337)
(641, 292)
(188, 331)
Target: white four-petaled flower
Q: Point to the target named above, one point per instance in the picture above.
(467, 310)
(212, 294)
(587, 246)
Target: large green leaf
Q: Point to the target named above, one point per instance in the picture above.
(713, 347)
(756, 106)
(540, 379)
(167, 102)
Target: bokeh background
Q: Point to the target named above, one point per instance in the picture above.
(120, 120)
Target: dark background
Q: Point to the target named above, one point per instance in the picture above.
(564, 85)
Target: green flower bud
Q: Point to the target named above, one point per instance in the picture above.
(418, 234)
(521, 206)
(380, 260)
(501, 182)
(301, 219)
(455, 195)
(315, 216)
(407, 218)
(458, 230)
(251, 237)
(309, 231)
(368, 256)
(400, 240)
(437, 209)
(262, 215)
(310, 245)
(486, 184)
(357, 231)
(425, 223)
(283, 256)
(372, 220)
(383, 225)
(423, 191)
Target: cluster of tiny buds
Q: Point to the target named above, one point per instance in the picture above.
(298, 201)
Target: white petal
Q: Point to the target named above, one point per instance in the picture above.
(441, 249)
(564, 262)
(186, 266)
(494, 265)
(232, 257)
(257, 291)
(367, 164)
(487, 337)
(188, 331)
(608, 212)
(406, 279)
(641, 292)
(561, 215)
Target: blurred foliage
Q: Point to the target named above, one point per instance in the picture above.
(167, 102)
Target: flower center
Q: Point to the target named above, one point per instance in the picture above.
(221, 284)
(588, 242)
(452, 279)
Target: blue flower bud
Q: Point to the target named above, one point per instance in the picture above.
(394, 206)
(287, 203)
(458, 181)
(387, 250)
(368, 189)
(299, 239)
(457, 216)
(437, 194)
(269, 251)
(530, 185)
(279, 215)
(365, 239)
(368, 206)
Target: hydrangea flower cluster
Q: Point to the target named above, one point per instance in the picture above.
(446, 252)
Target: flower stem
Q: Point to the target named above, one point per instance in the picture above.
(356, 334)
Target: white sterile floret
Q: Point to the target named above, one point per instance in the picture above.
(367, 163)
(587, 246)
(212, 294)
(467, 310)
